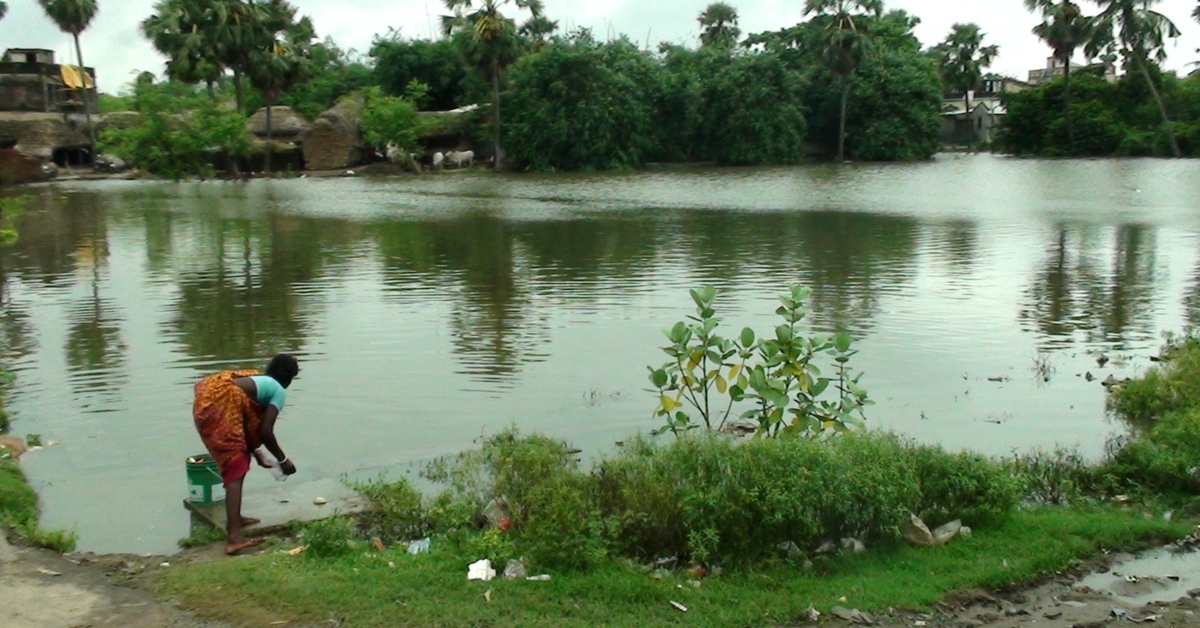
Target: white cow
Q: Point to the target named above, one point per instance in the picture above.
(438, 159)
(459, 158)
(394, 153)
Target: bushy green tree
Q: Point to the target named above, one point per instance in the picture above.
(752, 112)
(1064, 28)
(389, 120)
(452, 83)
(582, 105)
(191, 33)
(176, 132)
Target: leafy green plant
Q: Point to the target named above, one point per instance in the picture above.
(398, 511)
(389, 120)
(779, 377)
(330, 538)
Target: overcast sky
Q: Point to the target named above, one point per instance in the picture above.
(115, 47)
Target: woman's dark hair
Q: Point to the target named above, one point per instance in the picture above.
(283, 368)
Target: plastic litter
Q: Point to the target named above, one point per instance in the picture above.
(265, 456)
(851, 615)
(679, 607)
(417, 547)
(481, 570)
(540, 578)
(811, 614)
(513, 570)
(916, 532)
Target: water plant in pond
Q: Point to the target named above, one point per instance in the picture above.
(708, 375)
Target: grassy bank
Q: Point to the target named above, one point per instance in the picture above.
(431, 589)
(18, 510)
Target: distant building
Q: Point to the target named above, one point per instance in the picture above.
(30, 80)
(1055, 68)
(961, 127)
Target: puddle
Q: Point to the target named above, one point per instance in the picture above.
(1157, 576)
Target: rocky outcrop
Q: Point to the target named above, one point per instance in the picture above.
(39, 134)
(335, 140)
(286, 125)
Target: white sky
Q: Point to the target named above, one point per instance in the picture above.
(116, 48)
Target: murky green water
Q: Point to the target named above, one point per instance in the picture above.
(427, 312)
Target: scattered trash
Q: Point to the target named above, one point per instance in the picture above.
(811, 614)
(164, 564)
(854, 545)
(391, 565)
(481, 570)
(852, 615)
(52, 443)
(540, 578)
(916, 532)
(378, 543)
(697, 572)
(1120, 613)
(667, 562)
(679, 607)
(417, 547)
(964, 532)
(660, 573)
(919, 623)
(842, 599)
(514, 569)
(47, 572)
(694, 583)
(487, 595)
(496, 512)
(297, 550)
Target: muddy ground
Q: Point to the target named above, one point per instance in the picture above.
(40, 589)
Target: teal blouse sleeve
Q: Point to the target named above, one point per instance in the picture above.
(270, 392)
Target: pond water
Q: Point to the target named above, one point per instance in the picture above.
(427, 312)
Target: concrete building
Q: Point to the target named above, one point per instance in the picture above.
(1055, 68)
(963, 128)
(31, 81)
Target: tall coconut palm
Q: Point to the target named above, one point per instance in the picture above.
(189, 33)
(1064, 28)
(1140, 33)
(843, 44)
(489, 41)
(963, 58)
(3, 9)
(280, 57)
(74, 16)
(719, 26)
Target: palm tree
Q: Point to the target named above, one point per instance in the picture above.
(74, 16)
(719, 26)
(843, 44)
(1141, 33)
(489, 41)
(189, 32)
(1064, 28)
(963, 58)
(3, 9)
(280, 57)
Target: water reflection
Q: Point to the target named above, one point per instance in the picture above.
(1094, 288)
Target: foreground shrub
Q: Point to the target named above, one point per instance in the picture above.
(1171, 386)
(1166, 458)
(703, 497)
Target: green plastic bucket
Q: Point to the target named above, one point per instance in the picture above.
(204, 480)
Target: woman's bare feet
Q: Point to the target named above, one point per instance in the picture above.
(233, 547)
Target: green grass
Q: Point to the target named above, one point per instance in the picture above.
(18, 510)
(432, 590)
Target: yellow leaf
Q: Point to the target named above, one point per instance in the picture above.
(722, 386)
(734, 370)
(828, 425)
(668, 403)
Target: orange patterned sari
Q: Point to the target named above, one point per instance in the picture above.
(228, 421)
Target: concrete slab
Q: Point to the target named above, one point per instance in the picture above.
(284, 503)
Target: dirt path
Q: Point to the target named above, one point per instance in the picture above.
(40, 589)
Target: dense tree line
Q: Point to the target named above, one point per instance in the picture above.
(849, 80)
